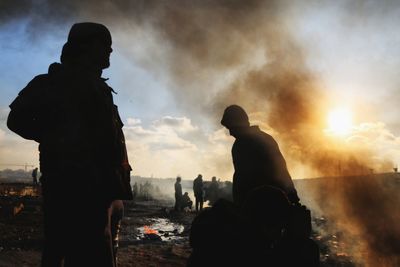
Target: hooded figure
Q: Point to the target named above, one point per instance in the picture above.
(256, 158)
(71, 114)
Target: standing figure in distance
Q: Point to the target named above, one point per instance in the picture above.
(178, 194)
(71, 114)
(34, 176)
(135, 191)
(198, 192)
(213, 191)
(256, 158)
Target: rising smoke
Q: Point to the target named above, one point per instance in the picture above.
(218, 53)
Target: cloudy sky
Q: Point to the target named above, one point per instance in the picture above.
(176, 65)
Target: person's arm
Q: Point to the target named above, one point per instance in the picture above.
(24, 124)
(281, 174)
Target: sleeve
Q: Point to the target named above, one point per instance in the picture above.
(124, 169)
(282, 176)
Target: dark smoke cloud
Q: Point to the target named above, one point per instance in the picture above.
(217, 53)
(363, 211)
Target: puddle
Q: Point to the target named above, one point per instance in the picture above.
(164, 228)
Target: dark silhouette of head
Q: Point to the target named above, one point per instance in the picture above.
(214, 179)
(200, 176)
(89, 44)
(235, 119)
(178, 179)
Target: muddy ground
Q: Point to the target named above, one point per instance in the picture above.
(21, 235)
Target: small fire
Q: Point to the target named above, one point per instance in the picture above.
(148, 230)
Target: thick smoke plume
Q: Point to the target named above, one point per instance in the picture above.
(218, 53)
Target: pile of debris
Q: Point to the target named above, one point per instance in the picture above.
(333, 248)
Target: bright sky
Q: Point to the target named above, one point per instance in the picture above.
(355, 55)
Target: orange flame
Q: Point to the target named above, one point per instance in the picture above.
(148, 230)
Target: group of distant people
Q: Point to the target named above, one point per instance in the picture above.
(184, 201)
(71, 114)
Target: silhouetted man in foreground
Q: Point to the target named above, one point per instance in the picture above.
(264, 198)
(71, 114)
(198, 189)
(256, 158)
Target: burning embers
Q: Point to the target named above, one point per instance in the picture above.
(19, 190)
(148, 231)
(161, 229)
(14, 197)
(151, 234)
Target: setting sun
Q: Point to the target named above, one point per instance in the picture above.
(340, 121)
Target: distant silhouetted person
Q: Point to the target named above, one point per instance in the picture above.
(178, 194)
(34, 176)
(213, 191)
(256, 158)
(198, 189)
(186, 201)
(70, 112)
(135, 191)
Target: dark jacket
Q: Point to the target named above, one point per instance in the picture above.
(178, 189)
(258, 161)
(198, 187)
(70, 112)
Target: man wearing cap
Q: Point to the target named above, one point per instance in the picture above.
(70, 112)
(256, 158)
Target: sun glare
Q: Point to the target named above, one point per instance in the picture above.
(340, 121)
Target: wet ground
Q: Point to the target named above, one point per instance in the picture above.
(21, 235)
(166, 245)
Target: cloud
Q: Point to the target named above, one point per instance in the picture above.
(162, 134)
(181, 125)
(17, 151)
(3, 114)
(165, 149)
(2, 135)
(375, 136)
(133, 121)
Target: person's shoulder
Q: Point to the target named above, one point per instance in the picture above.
(35, 85)
(260, 133)
(39, 80)
(262, 138)
(45, 78)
